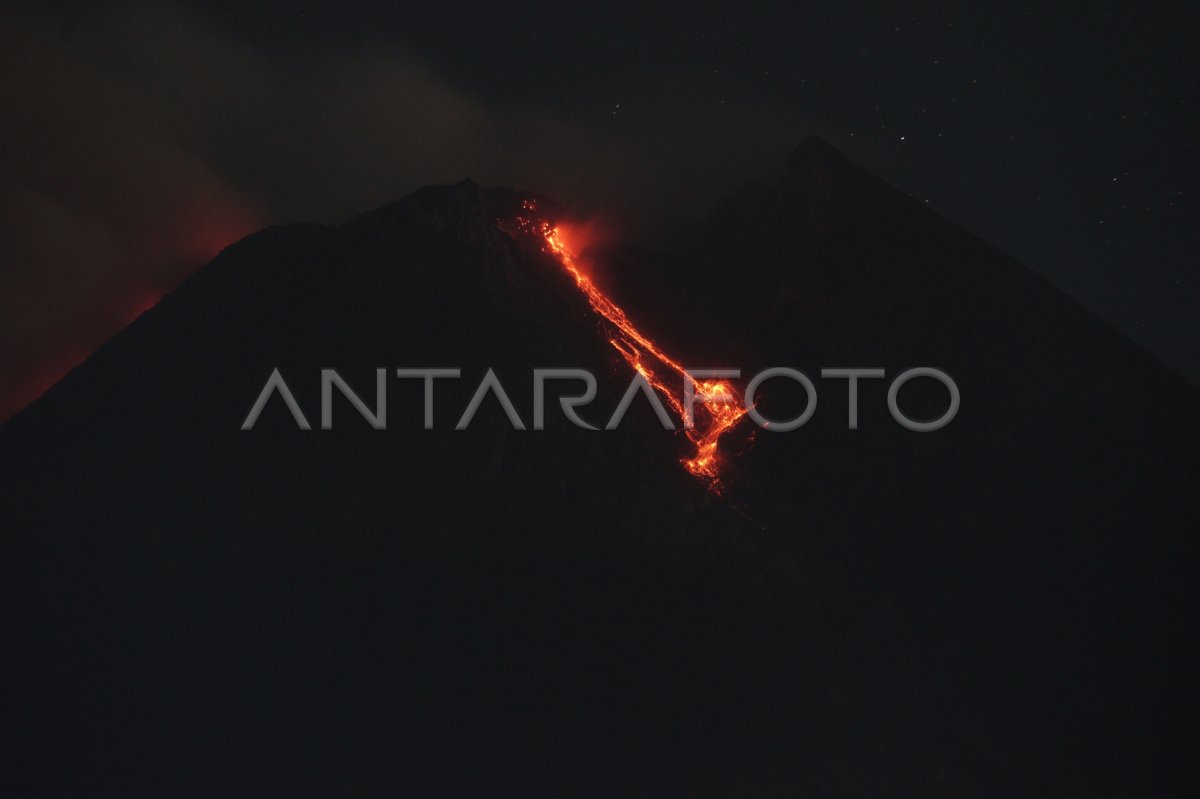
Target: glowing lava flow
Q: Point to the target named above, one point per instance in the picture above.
(719, 406)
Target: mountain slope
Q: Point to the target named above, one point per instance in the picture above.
(999, 608)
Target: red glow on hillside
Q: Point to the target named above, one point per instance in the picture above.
(142, 304)
(190, 244)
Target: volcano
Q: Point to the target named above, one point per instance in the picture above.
(1002, 607)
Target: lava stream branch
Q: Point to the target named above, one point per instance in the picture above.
(719, 406)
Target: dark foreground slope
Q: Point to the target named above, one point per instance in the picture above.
(1003, 607)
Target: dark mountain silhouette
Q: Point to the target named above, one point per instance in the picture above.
(1003, 607)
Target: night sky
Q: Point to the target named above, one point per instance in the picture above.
(138, 141)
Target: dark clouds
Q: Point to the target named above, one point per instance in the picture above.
(137, 141)
(140, 141)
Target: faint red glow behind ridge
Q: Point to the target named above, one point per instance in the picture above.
(193, 241)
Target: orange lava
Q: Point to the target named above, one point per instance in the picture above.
(718, 405)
